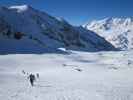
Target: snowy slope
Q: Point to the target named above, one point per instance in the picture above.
(42, 32)
(78, 76)
(118, 31)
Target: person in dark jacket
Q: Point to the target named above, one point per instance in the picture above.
(32, 79)
(37, 75)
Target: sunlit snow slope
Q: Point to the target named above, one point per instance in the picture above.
(118, 31)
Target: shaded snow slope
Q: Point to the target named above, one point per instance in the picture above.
(118, 31)
(23, 24)
(78, 76)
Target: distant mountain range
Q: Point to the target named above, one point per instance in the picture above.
(117, 31)
(24, 29)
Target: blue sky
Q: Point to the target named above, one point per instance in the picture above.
(78, 12)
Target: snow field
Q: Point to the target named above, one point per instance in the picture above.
(78, 76)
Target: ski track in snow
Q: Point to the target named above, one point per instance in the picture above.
(102, 76)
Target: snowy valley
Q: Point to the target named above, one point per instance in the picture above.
(74, 63)
(78, 76)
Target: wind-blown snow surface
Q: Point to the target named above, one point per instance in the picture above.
(42, 32)
(118, 31)
(78, 76)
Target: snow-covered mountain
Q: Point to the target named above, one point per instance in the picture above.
(118, 31)
(24, 29)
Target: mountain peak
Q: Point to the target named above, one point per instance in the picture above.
(43, 33)
(20, 8)
(117, 31)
